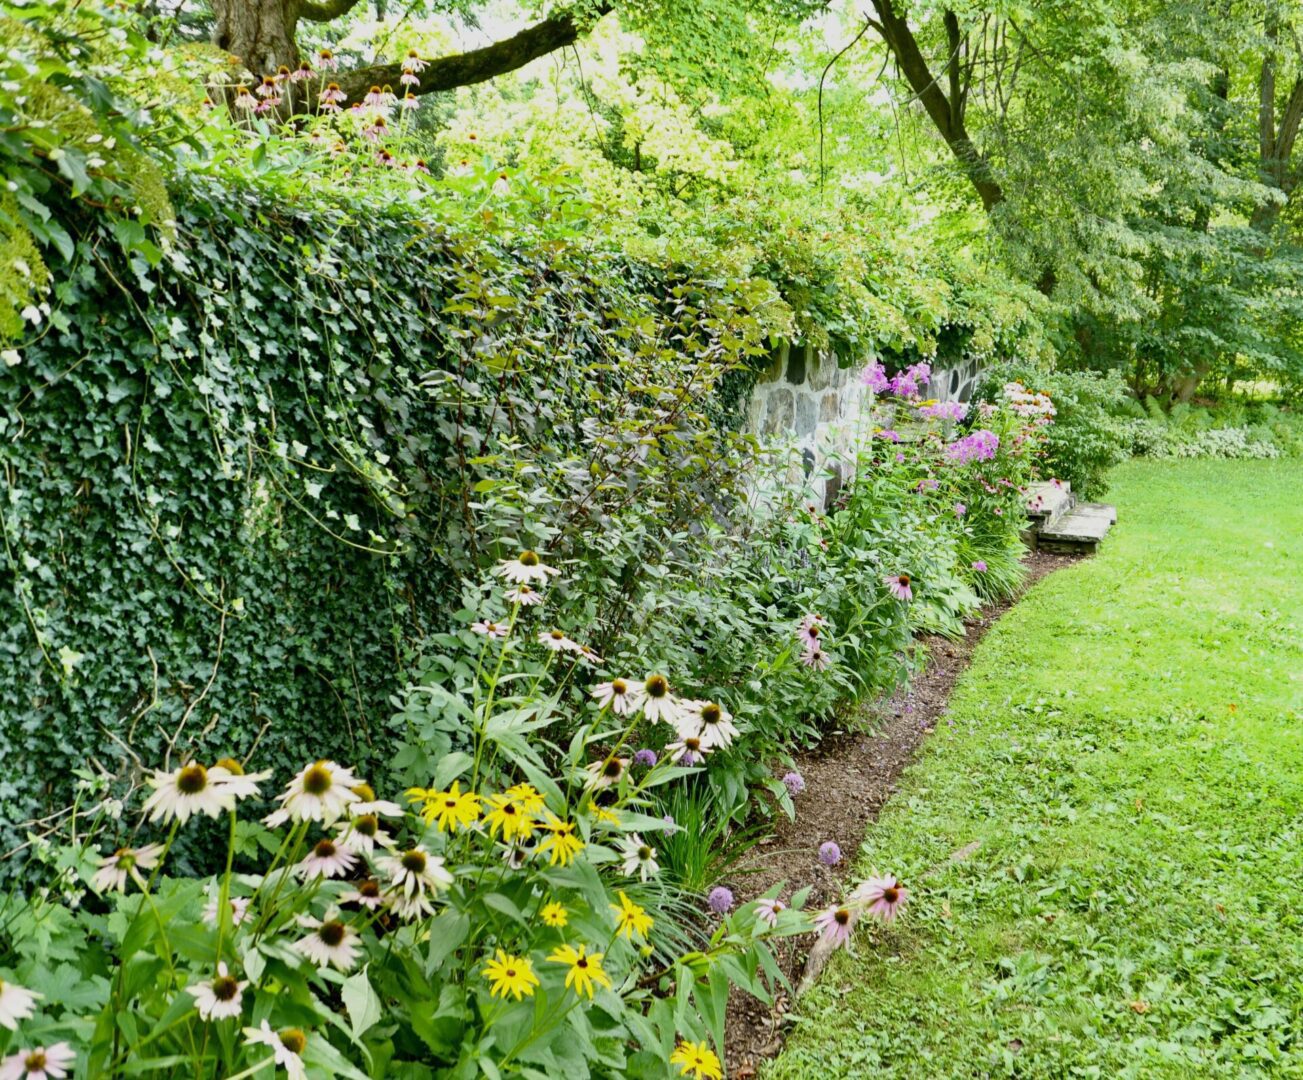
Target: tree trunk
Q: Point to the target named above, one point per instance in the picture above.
(259, 32)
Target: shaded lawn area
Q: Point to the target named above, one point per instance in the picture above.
(1105, 840)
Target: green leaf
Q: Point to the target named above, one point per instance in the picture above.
(361, 1002)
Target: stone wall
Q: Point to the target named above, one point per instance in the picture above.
(806, 397)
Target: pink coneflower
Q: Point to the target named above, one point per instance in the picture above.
(815, 658)
(622, 696)
(409, 101)
(813, 618)
(326, 60)
(282, 74)
(302, 72)
(829, 853)
(268, 87)
(39, 1063)
(420, 166)
(767, 911)
(898, 586)
(387, 97)
(376, 130)
(384, 157)
(604, 774)
(368, 894)
(881, 897)
(331, 98)
(521, 594)
(374, 99)
(238, 905)
(489, 628)
(558, 642)
(413, 64)
(809, 636)
(835, 924)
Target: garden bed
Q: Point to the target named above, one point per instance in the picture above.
(849, 776)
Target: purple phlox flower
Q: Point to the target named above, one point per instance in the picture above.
(875, 377)
(907, 383)
(944, 410)
(794, 782)
(720, 899)
(900, 459)
(829, 853)
(644, 757)
(980, 445)
(928, 483)
(960, 509)
(980, 566)
(889, 434)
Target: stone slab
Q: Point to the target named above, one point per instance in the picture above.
(1046, 501)
(1084, 527)
(1107, 510)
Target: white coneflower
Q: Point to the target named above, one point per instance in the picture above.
(387, 97)
(622, 696)
(115, 869)
(369, 804)
(413, 64)
(815, 658)
(362, 833)
(331, 98)
(186, 791)
(235, 781)
(414, 871)
(332, 943)
(687, 751)
(39, 1063)
(524, 595)
(516, 855)
(558, 642)
(501, 186)
(490, 629)
(16, 1003)
(239, 906)
(606, 773)
(368, 894)
(326, 60)
(639, 857)
(717, 729)
(409, 908)
(373, 99)
(326, 859)
(321, 792)
(244, 99)
(657, 701)
(268, 88)
(525, 568)
(221, 998)
(286, 1046)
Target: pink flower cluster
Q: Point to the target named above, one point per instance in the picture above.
(943, 410)
(905, 384)
(980, 445)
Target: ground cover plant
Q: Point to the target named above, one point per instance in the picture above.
(1090, 834)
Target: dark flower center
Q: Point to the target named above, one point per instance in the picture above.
(657, 686)
(414, 861)
(375, 89)
(225, 988)
(692, 743)
(192, 780)
(231, 766)
(556, 635)
(904, 579)
(891, 895)
(369, 889)
(612, 768)
(332, 933)
(529, 558)
(317, 780)
(619, 686)
(293, 1040)
(712, 713)
(367, 825)
(644, 853)
(35, 1061)
(333, 87)
(509, 810)
(511, 973)
(581, 962)
(842, 917)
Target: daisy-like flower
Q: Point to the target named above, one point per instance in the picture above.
(362, 834)
(810, 636)
(302, 73)
(697, 1059)
(507, 816)
(373, 99)
(630, 919)
(768, 910)
(384, 157)
(368, 804)
(835, 924)
(558, 642)
(39, 1063)
(419, 166)
(524, 595)
(452, 809)
(235, 781)
(813, 618)
(326, 60)
(239, 906)
(501, 186)
(282, 73)
(512, 975)
(331, 98)
(413, 64)
(221, 998)
(657, 701)
(585, 968)
(490, 629)
(188, 790)
(287, 1047)
(387, 97)
(715, 725)
(527, 797)
(605, 774)
(621, 695)
(687, 751)
(268, 88)
(377, 129)
(516, 855)
(124, 863)
(326, 859)
(561, 845)
(554, 915)
(244, 99)
(720, 899)
(16, 1003)
(367, 894)
(639, 857)
(815, 658)
(414, 871)
(881, 897)
(332, 942)
(321, 792)
(525, 568)
(898, 586)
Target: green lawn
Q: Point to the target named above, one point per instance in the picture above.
(1106, 845)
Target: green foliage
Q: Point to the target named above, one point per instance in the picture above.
(1228, 429)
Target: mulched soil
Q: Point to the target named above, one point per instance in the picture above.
(850, 775)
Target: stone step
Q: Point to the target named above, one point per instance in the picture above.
(1046, 501)
(1079, 531)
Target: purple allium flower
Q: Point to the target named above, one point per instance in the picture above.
(689, 758)
(980, 445)
(980, 566)
(794, 782)
(829, 853)
(671, 825)
(960, 509)
(720, 899)
(644, 757)
(900, 459)
(835, 924)
(875, 378)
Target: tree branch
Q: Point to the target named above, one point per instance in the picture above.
(476, 66)
(323, 11)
